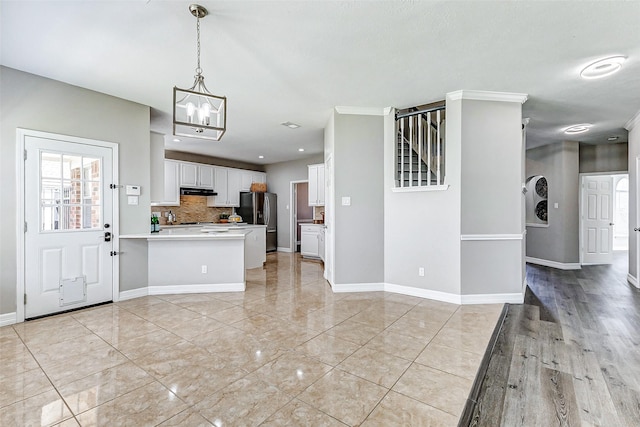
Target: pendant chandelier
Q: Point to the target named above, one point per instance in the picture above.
(197, 113)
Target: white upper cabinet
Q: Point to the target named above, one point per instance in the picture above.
(316, 185)
(196, 175)
(228, 182)
(171, 185)
(188, 175)
(233, 187)
(249, 177)
(221, 188)
(205, 176)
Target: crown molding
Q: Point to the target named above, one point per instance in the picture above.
(481, 95)
(363, 111)
(635, 121)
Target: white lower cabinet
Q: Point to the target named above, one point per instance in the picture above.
(312, 241)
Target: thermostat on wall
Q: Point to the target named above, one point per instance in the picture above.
(133, 190)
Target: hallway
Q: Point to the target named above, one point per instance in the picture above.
(570, 355)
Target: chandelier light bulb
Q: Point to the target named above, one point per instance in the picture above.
(205, 113)
(191, 109)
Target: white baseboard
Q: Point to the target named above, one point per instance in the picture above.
(134, 293)
(511, 298)
(197, 289)
(423, 293)
(554, 264)
(182, 289)
(279, 249)
(514, 298)
(357, 287)
(7, 319)
(633, 281)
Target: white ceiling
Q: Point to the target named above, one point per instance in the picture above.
(279, 61)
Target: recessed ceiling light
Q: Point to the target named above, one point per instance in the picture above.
(603, 68)
(261, 157)
(572, 130)
(176, 140)
(300, 149)
(613, 138)
(290, 125)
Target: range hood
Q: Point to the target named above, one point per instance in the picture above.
(188, 191)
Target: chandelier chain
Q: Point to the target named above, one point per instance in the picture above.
(198, 69)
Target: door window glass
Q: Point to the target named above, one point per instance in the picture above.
(70, 192)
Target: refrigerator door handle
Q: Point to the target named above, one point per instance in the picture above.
(266, 211)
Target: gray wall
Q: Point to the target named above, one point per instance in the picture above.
(559, 241)
(422, 229)
(32, 102)
(634, 152)
(491, 188)
(604, 157)
(491, 197)
(359, 228)
(279, 177)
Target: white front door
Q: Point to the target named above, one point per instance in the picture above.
(597, 219)
(68, 209)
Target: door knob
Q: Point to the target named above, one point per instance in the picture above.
(610, 223)
(636, 229)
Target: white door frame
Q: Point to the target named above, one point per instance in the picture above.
(637, 224)
(293, 213)
(581, 177)
(21, 134)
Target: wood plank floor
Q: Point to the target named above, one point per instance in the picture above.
(568, 356)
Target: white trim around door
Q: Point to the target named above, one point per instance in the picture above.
(21, 135)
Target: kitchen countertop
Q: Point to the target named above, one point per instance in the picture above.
(194, 233)
(211, 224)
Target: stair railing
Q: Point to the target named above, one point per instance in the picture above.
(420, 156)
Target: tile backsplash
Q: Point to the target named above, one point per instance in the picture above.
(191, 209)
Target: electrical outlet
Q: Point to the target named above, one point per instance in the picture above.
(204, 269)
(421, 271)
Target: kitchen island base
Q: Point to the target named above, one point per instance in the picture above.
(200, 260)
(187, 266)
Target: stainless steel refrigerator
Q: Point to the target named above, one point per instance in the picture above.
(261, 208)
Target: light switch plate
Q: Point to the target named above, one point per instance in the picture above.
(346, 201)
(132, 200)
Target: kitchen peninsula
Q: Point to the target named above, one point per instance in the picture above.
(212, 258)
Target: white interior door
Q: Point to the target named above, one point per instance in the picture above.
(68, 213)
(597, 219)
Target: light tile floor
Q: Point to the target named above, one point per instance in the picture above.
(288, 351)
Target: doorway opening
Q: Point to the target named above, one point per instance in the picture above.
(621, 213)
(301, 212)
